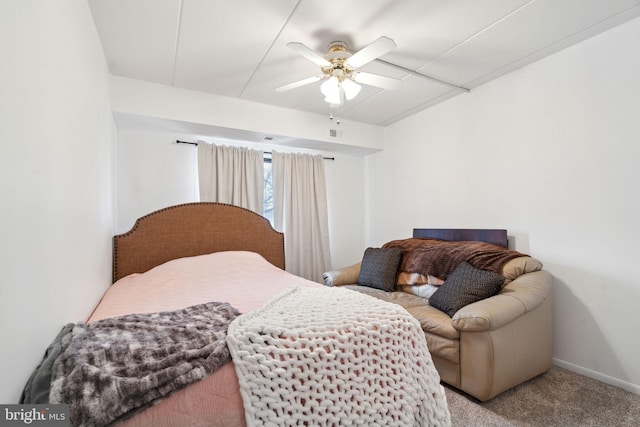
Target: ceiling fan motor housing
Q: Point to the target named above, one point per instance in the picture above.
(337, 54)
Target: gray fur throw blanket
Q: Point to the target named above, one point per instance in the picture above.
(108, 368)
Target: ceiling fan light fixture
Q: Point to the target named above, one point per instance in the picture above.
(331, 90)
(333, 102)
(330, 86)
(334, 99)
(351, 89)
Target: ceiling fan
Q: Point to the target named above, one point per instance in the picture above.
(340, 70)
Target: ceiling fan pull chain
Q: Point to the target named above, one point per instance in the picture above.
(337, 118)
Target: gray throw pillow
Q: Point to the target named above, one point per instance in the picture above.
(379, 268)
(467, 284)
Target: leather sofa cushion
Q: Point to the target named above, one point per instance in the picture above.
(518, 297)
(519, 266)
(443, 347)
(431, 319)
(434, 321)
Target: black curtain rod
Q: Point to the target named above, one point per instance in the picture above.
(265, 152)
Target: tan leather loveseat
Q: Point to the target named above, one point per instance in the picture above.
(488, 346)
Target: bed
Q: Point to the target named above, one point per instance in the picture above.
(191, 255)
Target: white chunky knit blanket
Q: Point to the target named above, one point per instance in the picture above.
(331, 356)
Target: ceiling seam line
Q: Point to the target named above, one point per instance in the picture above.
(425, 76)
(175, 49)
(420, 107)
(476, 34)
(550, 46)
(255, 70)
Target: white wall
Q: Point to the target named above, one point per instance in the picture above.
(135, 97)
(551, 153)
(57, 137)
(154, 172)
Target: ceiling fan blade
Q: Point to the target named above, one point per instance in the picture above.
(370, 52)
(311, 55)
(378, 81)
(299, 83)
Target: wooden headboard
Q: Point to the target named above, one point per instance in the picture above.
(495, 236)
(194, 229)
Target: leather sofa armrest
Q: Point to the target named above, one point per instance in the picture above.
(518, 297)
(343, 276)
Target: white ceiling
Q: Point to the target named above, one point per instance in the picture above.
(238, 48)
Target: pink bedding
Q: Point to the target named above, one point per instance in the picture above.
(243, 279)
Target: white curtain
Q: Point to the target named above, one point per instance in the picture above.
(300, 211)
(231, 175)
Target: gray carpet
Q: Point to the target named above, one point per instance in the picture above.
(556, 398)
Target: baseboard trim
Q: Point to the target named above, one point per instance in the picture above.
(625, 385)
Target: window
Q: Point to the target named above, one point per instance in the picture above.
(268, 189)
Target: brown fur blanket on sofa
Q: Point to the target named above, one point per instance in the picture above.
(439, 258)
